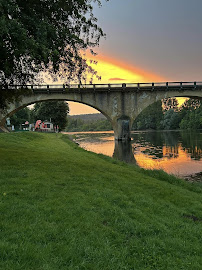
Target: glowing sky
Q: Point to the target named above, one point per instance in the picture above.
(160, 36)
(113, 71)
(148, 40)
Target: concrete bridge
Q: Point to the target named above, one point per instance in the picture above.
(120, 103)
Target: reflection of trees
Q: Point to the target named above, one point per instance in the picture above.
(171, 138)
(171, 151)
(161, 144)
(192, 142)
(158, 144)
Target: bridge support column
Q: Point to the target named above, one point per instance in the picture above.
(122, 127)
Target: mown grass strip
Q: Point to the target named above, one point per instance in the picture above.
(65, 208)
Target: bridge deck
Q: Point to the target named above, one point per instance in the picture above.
(84, 88)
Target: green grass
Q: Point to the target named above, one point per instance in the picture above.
(64, 208)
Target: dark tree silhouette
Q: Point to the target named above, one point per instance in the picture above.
(45, 36)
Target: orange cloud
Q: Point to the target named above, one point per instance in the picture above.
(116, 79)
(111, 69)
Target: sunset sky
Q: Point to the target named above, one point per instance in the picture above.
(148, 40)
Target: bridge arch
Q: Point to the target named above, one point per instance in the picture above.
(15, 107)
(147, 99)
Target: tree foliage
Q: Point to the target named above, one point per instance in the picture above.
(170, 103)
(81, 125)
(45, 35)
(191, 115)
(56, 111)
(168, 115)
(20, 117)
(150, 118)
(171, 119)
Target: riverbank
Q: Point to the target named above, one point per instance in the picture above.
(65, 208)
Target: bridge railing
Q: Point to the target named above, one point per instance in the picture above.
(54, 88)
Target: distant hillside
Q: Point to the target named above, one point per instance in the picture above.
(88, 122)
(88, 117)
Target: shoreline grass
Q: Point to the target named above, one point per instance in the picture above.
(65, 208)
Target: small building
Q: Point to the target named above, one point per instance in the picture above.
(44, 126)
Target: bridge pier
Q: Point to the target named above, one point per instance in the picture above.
(122, 128)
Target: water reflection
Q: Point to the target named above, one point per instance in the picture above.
(123, 151)
(176, 152)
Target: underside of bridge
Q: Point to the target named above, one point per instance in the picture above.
(120, 104)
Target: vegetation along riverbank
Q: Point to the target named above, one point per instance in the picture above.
(65, 208)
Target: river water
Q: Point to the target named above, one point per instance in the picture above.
(175, 152)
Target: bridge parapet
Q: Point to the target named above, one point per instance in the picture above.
(63, 88)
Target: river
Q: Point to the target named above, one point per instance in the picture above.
(175, 152)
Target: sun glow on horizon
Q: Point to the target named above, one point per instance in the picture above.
(115, 71)
(112, 71)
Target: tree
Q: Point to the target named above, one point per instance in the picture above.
(81, 125)
(54, 110)
(150, 118)
(20, 117)
(48, 36)
(170, 103)
(192, 116)
(171, 119)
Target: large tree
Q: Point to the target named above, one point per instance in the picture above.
(20, 117)
(149, 118)
(46, 35)
(56, 111)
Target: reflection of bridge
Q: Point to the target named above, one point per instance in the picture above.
(120, 103)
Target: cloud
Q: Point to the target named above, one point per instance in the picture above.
(116, 71)
(116, 79)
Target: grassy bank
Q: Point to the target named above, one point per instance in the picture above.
(64, 208)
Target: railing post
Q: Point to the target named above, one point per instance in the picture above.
(138, 86)
(167, 85)
(181, 85)
(194, 85)
(63, 88)
(152, 86)
(109, 87)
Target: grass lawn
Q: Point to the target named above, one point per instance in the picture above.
(65, 208)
